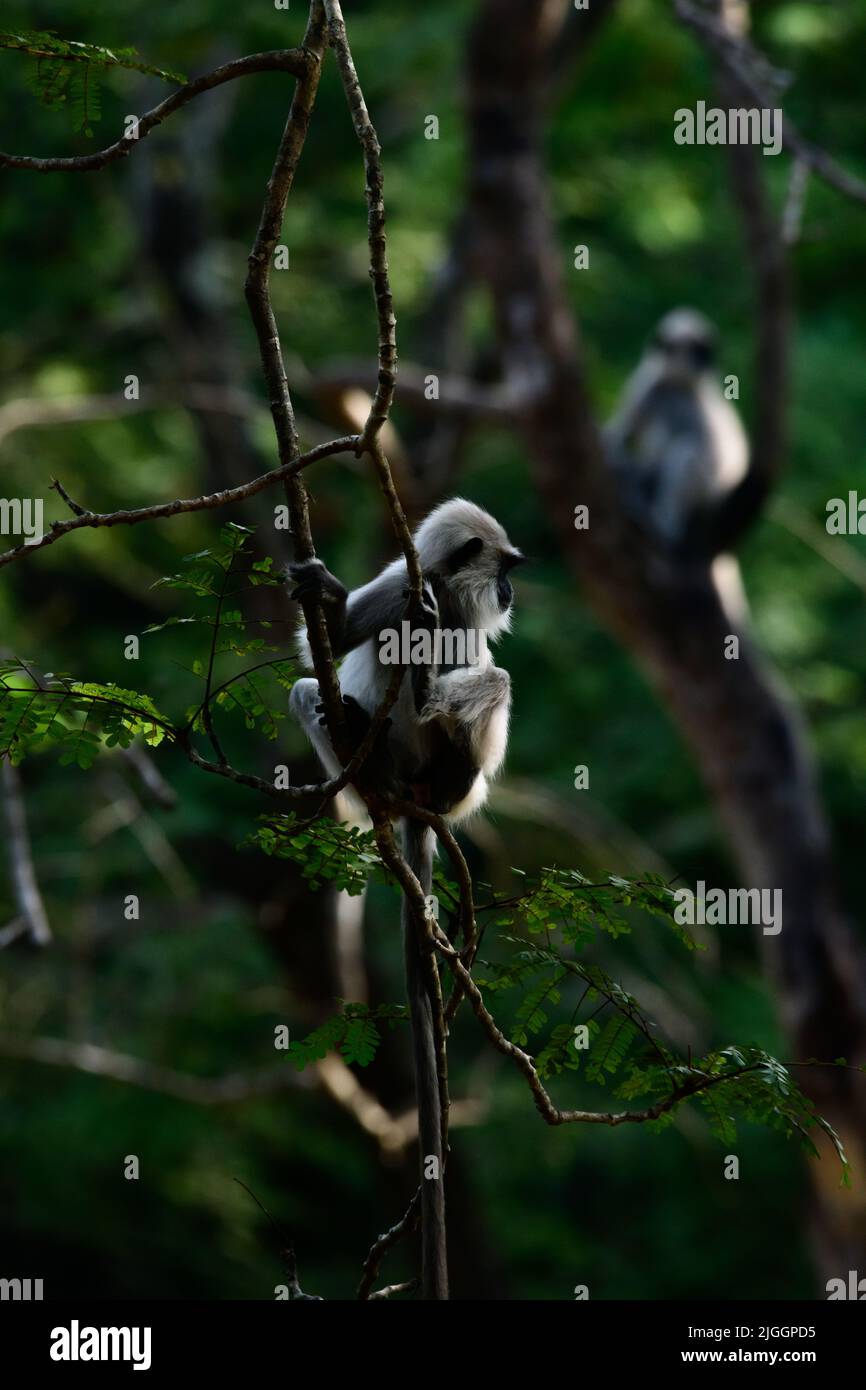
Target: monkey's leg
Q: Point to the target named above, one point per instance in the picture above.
(469, 695)
(424, 1008)
(305, 704)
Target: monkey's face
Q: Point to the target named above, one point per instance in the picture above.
(686, 357)
(468, 557)
(476, 579)
(504, 590)
(684, 345)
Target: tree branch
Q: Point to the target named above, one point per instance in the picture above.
(298, 62)
(751, 72)
(230, 1089)
(132, 517)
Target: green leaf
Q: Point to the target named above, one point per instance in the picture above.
(64, 74)
(608, 1053)
(360, 1041)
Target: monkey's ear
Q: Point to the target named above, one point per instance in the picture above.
(463, 554)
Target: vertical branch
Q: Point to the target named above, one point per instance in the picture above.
(257, 290)
(413, 874)
(366, 134)
(422, 977)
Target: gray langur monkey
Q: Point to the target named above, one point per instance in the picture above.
(675, 443)
(445, 739)
(449, 725)
(678, 449)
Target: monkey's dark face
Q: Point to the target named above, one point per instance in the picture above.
(684, 345)
(478, 571)
(504, 588)
(690, 353)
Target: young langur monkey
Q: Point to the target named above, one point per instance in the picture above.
(449, 725)
(676, 444)
(447, 733)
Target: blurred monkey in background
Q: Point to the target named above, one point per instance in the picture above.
(677, 446)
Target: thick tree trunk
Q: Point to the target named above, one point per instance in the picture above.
(740, 727)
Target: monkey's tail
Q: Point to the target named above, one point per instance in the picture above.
(425, 1008)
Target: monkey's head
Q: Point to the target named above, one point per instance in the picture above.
(468, 557)
(684, 345)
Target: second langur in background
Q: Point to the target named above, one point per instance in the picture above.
(675, 443)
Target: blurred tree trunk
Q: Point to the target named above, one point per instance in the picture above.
(740, 727)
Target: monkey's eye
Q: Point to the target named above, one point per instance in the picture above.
(464, 554)
(702, 354)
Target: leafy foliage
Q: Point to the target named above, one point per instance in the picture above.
(81, 717)
(740, 1082)
(747, 1082)
(567, 900)
(208, 575)
(65, 74)
(324, 850)
(354, 1033)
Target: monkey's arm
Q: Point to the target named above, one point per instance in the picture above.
(356, 617)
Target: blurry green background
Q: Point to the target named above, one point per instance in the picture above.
(193, 985)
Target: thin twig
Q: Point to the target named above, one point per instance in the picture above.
(133, 516)
(295, 61)
(365, 131)
(380, 1247)
(409, 1287)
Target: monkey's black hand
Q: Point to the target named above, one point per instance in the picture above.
(312, 579)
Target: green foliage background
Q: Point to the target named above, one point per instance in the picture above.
(193, 986)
